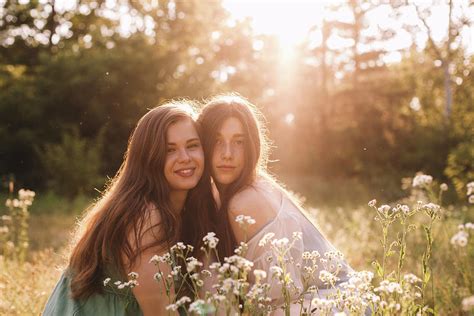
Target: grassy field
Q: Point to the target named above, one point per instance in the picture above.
(25, 287)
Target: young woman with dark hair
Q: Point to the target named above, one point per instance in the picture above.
(235, 146)
(160, 195)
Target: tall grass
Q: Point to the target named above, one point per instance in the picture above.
(441, 248)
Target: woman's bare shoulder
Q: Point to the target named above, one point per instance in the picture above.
(252, 202)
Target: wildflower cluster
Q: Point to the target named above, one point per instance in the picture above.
(460, 239)
(422, 180)
(14, 229)
(309, 282)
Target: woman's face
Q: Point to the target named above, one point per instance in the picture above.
(185, 158)
(228, 156)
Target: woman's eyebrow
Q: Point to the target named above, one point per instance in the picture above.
(193, 140)
(187, 141)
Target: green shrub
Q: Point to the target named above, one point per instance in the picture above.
(73, 166)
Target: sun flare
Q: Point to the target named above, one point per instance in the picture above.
(288, 21)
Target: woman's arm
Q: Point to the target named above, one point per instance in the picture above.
(150, 294)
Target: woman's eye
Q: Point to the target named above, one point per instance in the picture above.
(239, 142)
(170, 150)
(195, 145)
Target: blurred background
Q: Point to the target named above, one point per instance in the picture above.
(357, 94)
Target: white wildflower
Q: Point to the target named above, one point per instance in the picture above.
(106, 281)
(315, 255)
(176, 270)
(245, 220)
(470, 188)
(179, 245)
(196, 306)
(280, 243)
(323, 305)
(133, 275)
(297, 235)
(443, 187)
(275, 270)
(192, 264)
(405, 209)
(259, 274)
(460, 239)
(334, 255)
(372, 203)
(384, 209)
(211, 240)
(266, 239)
(422, 180)
(16, 203)
(411, 278)
(432, 208)
(389, 287)
(166, 258)
(172, 307)
(158, 276)
(327, 277)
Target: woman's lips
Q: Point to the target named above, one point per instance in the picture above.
(226, 168)
(185, 172)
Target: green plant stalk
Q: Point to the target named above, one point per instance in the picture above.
(402, 252)
(23, 239)
(426, 267)
(384, 243)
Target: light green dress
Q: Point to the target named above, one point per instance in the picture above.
(110, 302)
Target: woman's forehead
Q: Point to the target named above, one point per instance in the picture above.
(231, 127)
(181, 131)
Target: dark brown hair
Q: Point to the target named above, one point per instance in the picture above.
(213, 115)
(109, 234)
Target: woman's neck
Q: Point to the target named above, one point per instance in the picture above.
(177, 199)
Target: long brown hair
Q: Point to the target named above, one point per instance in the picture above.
(213, 115)
(109, 234)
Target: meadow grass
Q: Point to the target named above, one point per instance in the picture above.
(25, 287)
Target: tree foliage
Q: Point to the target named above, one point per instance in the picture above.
(339, 112)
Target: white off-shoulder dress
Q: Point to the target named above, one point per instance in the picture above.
(289, 218)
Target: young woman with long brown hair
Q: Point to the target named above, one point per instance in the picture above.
(235, 146)
(161, 188)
